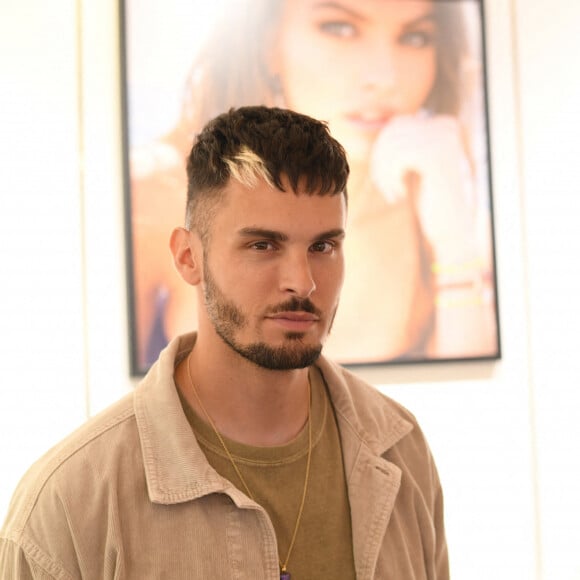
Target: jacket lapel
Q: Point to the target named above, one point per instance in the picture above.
(372, 488)
(369, 426)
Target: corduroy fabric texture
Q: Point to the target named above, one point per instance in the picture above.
(131, 495)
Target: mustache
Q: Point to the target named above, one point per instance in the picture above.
(295, 305)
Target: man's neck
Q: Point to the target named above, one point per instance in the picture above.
(247, 403)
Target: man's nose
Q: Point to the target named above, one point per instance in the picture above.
(296, 275)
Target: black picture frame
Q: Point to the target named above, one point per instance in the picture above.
(155, 39)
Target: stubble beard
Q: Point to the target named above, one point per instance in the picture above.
(228, 319)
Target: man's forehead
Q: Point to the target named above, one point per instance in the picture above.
(236, 191)
(265, 207)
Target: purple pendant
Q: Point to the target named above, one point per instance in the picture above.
(285, 576)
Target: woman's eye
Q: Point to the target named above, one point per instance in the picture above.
(417, 39)
(338, 28)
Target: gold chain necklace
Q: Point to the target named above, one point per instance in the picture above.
(284, 574)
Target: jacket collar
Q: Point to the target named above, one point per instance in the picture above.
(373, 419)
(176, 469)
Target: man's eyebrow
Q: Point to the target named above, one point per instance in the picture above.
(336, 233)
(277, 236)
(264, 233)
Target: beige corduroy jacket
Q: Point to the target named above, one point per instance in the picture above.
(130, 495)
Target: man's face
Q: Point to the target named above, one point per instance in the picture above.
(273, 269)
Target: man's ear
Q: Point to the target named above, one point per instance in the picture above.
(187, 253)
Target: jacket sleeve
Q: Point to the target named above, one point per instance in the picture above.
(15, 565)
(35, 540)
(441, 557)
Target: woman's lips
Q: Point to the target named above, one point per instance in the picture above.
(369, 121)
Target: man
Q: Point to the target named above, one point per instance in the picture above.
(244, 453)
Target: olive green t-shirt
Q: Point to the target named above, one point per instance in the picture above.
(275, 476)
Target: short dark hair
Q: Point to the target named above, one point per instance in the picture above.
(261, 142)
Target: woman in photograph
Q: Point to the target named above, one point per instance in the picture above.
(393, 81)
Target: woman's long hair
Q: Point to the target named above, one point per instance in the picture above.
(231, 69)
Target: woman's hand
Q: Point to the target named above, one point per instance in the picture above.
(424, 156)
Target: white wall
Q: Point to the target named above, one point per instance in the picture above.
(504, 434)
(42, 311)
(549, 74)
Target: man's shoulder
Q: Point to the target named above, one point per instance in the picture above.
(97, 434)
(98, 446)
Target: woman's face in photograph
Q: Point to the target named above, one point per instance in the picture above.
(356, 63)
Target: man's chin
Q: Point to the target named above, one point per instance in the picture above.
(281, 358)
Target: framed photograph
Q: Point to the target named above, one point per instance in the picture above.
(401, 84)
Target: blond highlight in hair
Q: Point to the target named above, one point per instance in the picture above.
(248, 168)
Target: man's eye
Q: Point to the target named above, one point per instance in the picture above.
(322, 247)
(338, 28)
(262, 246)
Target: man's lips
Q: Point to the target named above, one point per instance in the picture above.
(295, 315)
(292, 320)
